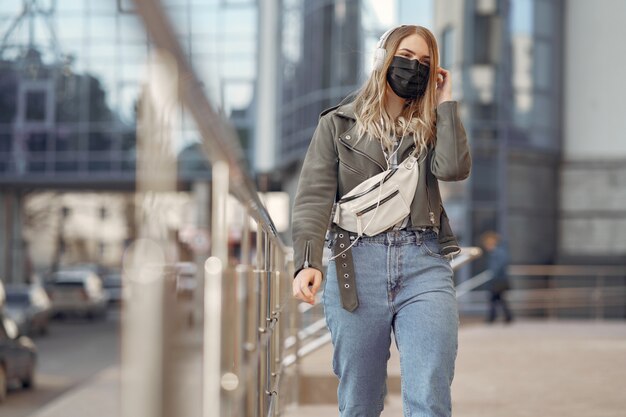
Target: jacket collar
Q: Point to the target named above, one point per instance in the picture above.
(364, 145)
(347, 110)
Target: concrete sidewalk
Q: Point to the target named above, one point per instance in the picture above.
(528, 369)
(98, 397)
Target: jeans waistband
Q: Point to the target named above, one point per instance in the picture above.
(391, 237)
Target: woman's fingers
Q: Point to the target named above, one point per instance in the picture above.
(317, 281)
(306, 292)
(442, 75)
(301, 284)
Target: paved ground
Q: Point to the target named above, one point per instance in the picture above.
(528, 369)
(548, 369)
(531, 368)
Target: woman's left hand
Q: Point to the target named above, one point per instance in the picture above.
(444, 86)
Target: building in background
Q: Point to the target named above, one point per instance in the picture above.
(505, 57)
(549, 163)
(71, 77)
(327, 49)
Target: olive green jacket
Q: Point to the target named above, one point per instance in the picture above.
(334, 164)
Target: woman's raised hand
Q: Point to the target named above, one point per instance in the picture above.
(444, 86)
(305, 278)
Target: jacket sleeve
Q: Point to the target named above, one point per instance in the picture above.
(315, 196)
(451, 160)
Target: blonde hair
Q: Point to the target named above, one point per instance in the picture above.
(418, 116)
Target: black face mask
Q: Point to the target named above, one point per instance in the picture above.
(408, 78)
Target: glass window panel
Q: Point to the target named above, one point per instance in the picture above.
(133, 72)
(238, 2)
(522, 108)
(103, 6)
(70, 7)
(545, 138)
(204, 20)
(10, 8)
(543, 110)
(234, 68)
(544, 18)
(543, 65)
(126, 6)
(175, 3)
(204, 48)
(69, 29)
(134, 52)
(211, 3)
(104, 53)
(522, 16)
(35, 105)
(102, 27)
(237, 95)
(447, 51)
(483, 38)
(131, 29)
(238, 21)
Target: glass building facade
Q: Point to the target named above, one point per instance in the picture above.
(507, 55)
(327, 47)
(72, 71)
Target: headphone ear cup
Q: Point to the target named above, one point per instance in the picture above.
(379, 58)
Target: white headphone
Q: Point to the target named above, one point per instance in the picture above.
(380, 53)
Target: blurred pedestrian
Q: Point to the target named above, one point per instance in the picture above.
(497, 265)
(398, 279)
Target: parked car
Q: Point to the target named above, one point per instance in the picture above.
(186, 281)
(112, 284)
(77, 292)
(18, 357)
(29, 306)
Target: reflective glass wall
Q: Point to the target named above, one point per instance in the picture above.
(71, 79)
(327, 48)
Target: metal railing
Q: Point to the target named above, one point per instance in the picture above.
(233, 364)
(557, 290)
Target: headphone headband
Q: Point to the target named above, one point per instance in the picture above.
(384, 36)
(380, 53)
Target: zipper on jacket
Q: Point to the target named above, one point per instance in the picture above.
(431, 215)
(373, 206)
(307, 254)
(364, 154)
(368, 157)
(349, 168)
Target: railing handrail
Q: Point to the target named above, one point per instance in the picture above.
(219, 141)
(568, 270)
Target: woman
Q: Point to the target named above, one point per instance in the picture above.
(399, 280)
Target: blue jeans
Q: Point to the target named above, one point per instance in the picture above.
(404, 285)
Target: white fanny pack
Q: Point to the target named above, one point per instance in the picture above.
(379, 202)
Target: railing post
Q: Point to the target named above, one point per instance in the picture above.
(215, 268)
(262, 323)
(252, 337)
(212, 375)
